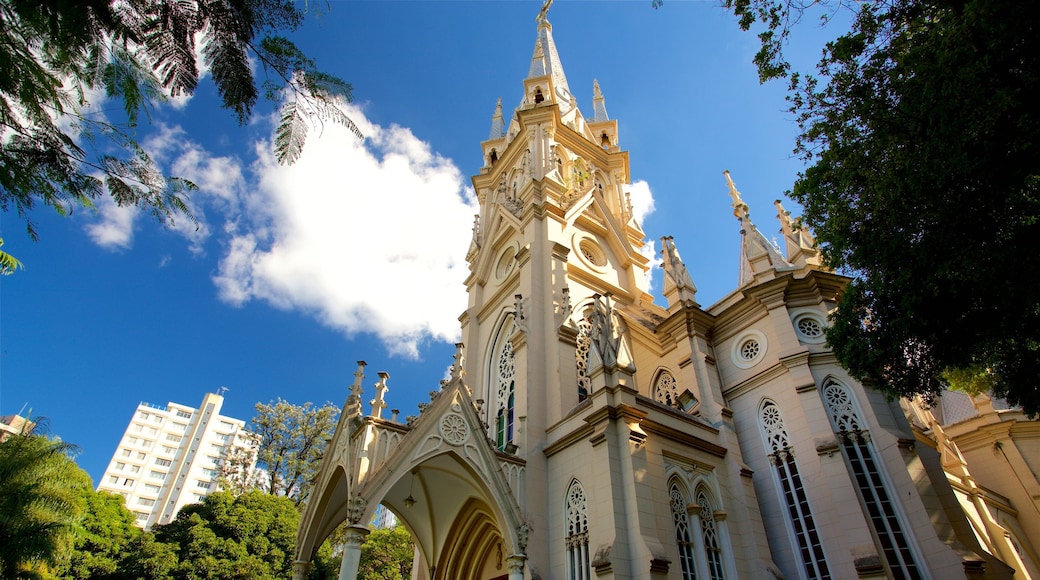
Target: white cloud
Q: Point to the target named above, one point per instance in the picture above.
(115, 230)
(642, 200)
(370, 237)
(643, 205)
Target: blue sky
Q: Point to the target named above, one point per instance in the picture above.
(298, 272)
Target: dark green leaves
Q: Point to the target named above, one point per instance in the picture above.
(920, 131)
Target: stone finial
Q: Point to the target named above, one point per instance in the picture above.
(518, 313)
(678, 285)
(740, 209)
(378, 404)
(353, 407)
(458, 369)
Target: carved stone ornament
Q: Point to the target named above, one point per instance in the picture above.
(453, 429)
(356, 509)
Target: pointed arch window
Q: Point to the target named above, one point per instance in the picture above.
(584, 344)
(711, 537)
(681, 522)
(666, 390)
(781, 456)
(505, 395)
(858, 450)
(577, 533)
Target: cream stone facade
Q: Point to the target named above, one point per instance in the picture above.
(587, 432)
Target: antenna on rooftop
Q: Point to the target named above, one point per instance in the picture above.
(222, 390)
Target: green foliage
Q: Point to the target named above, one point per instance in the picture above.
(921, 130)
(54, 55)
(104, 537)
(249, 536)
(8, 263)
(291, 440)
(387, 555)
(41, 501)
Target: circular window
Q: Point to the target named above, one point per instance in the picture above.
(810, 327)
(749, 349)
(591, 253)
(506, 262)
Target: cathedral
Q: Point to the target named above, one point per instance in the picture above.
(587, 432)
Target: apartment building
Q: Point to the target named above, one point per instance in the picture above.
(171, 456)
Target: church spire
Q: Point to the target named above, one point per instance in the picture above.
(759, 259)
(599, 107)
(498, 127)
(546, 61)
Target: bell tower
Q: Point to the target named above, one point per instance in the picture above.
(555, 230)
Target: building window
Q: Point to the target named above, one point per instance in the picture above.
(124, 452)
(858, 450)
(584, 344)
(174, 438)
(163, 462)
(135, 468)
(141, 515)
(666, 390)
(227, 425)
(120, 466)
(113, 479)
(143, 416)
(128, 482)
(577, 540)
(184, 414)
(809, 325)
(169, 450)
(711, 537)
(749, 349)
(145, 501)
(156, 475)
(681, 522)
(150, 488)
(505, 395)
(781, 456)
(179, 427)
(203, 484)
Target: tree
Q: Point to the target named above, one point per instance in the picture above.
(387, 554)
(56, 55)
(108, 545)
(291, 441)
(41, 501)
(921, 133)
(250, 536)
(104, 536)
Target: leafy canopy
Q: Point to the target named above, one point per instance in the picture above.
(41, 502)
(59, 59)
(290, 442)
(922, 138)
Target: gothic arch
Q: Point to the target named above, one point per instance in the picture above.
(576, 531)
(884, 513)
(665, 389)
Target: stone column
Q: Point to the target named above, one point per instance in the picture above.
(300, 570)
(352, 552)
(515, 563)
